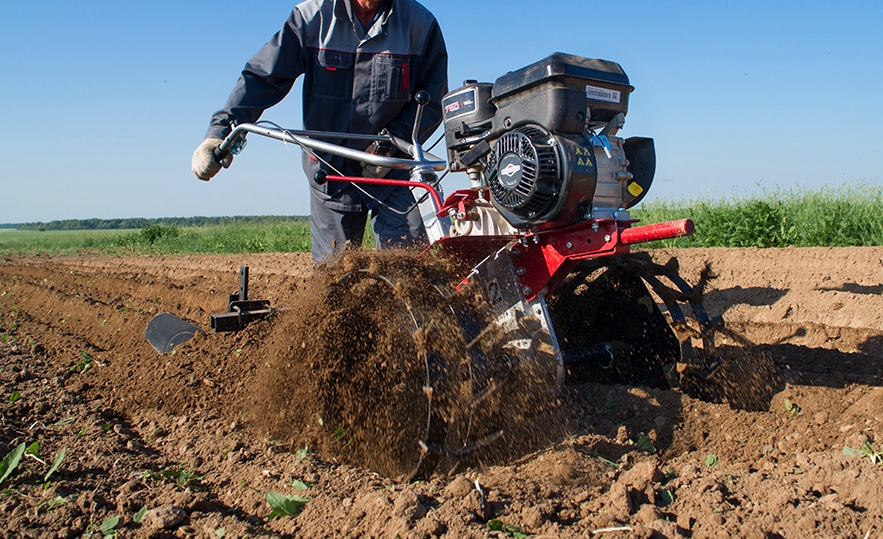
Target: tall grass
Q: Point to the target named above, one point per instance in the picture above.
(844, 216)
(836, 217)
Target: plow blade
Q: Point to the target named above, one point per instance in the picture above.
(166, 331)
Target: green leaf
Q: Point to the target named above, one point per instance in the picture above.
(645, 445)
(33, 449)
(711, 460)
(511, 529)
(283, 505)
(849, 452)
(667, 497)
(59, 458)
(109, 524)
(297, 484)
(57, 501)
(495, 525)
(220, 532)
(10, 462)
(15, 396)
(139, 516)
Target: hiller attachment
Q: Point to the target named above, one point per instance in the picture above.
(166, 331)
(240, 309)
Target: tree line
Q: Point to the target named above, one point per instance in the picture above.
(140, 222)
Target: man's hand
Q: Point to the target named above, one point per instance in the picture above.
(204, 164)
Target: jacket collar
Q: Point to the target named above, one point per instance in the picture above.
(343, 10)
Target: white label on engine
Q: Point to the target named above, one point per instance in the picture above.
(602, 94)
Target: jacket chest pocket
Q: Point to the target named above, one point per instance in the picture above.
(333, 75)
(390, 78)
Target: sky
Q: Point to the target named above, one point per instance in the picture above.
(105, 101)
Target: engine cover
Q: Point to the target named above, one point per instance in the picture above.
(536, 177)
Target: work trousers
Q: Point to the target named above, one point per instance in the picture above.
(395, 220)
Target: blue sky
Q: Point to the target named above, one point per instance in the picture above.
(104, 102)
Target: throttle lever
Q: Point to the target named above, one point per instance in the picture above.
(422, 97)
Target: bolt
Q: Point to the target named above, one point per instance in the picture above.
(515, 252)
(595, 227)
(607, 237)
(520, 271)
(570, 245)
(527, 290)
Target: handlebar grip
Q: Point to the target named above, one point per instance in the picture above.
(220, 154)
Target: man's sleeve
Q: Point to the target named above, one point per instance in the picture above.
(266, 79)
(432, 76)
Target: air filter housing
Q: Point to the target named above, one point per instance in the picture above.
(562, 93)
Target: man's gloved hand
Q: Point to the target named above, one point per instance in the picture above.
(204, 164)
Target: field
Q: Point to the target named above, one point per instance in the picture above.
(137, 444)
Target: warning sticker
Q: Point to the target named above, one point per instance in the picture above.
(602, 94)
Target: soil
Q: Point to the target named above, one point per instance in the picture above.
(188, 444)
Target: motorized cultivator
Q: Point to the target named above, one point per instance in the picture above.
(540, 286)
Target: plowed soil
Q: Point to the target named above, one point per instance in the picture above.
(188, 444)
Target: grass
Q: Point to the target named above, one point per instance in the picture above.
(59, 241)
(827, 217)
(219, 239)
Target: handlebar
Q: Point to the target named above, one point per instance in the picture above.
(308, 139)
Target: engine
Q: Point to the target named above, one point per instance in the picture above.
(542, 141)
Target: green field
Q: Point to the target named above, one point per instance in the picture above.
(157, 239)
(57, 241)
(834, 217)
(827, 217)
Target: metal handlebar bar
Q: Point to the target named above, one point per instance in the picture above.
(308, 139)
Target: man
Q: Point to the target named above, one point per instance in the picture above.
(362, 62)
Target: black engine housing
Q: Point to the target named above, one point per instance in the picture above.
(531, 133)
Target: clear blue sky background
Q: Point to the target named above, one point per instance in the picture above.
(103, 102)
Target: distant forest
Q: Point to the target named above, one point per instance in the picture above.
(139, 222)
